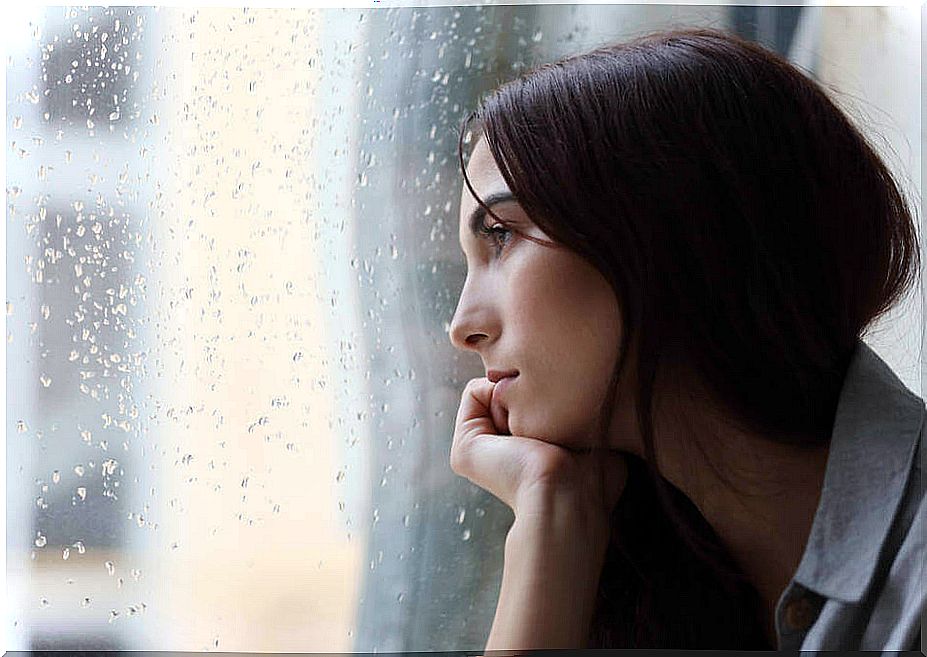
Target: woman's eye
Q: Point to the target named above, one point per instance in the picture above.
(498, 234)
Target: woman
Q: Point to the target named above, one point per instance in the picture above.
(673, 248)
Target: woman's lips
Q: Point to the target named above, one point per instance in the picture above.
(497, 407)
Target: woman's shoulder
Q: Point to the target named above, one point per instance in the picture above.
(864, 564)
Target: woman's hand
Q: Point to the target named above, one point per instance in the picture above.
(555, 549)
(526, 473)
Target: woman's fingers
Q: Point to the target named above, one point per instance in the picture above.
(491, 461)
(473, 415)
(508, 465)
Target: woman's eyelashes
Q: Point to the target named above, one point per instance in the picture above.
(498, 235)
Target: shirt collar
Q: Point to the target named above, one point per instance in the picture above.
(876, 429)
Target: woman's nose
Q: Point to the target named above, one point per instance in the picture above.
(470, 326)
(464, 335)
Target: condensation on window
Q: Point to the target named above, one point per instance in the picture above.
(232, 262)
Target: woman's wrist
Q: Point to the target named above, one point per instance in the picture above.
(564, 552)
(553, 559)
(550, 514)
(568, 547)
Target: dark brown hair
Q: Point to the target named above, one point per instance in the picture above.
(750, 234)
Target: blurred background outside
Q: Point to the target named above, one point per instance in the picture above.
(232, 260)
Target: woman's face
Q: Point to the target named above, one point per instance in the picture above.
(544, 312)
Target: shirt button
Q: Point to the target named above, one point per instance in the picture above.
(800, 613)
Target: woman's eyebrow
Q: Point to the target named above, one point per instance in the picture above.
(476, 217)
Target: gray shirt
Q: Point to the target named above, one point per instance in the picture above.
(860, 584)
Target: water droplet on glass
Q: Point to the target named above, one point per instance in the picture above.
(79, 470)
(66, 554)
(466, 535)
(21, 426)
(110, 567)
(82, 493)
(40, 540)
(56, 477)
(461, 515)
(85, 602)
(44, 602)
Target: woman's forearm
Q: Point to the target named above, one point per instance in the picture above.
(553, 560)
